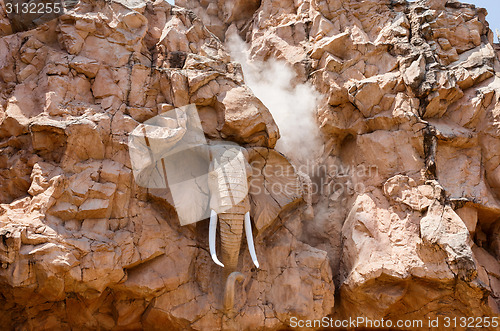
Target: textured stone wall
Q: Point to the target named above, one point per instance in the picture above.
(406, 219)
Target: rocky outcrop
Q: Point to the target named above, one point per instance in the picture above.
(409, 203)
(79, 237)
(398, 219)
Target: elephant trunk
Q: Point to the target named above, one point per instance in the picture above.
(231, 221)
(229, 292)
(231, 232)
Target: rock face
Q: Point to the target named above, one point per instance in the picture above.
(406, 220)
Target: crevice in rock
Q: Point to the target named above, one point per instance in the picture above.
(430, 150)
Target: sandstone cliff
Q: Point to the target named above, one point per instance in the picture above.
(398, 218)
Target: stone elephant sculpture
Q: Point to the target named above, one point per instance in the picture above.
(220, 180)
(228, 187)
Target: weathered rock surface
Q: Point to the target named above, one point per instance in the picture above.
(406, 221)
(409, 209)
(78, 236)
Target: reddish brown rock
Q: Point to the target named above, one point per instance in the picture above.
(398, 218)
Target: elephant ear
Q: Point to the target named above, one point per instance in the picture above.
(274, 186)
(170, 156)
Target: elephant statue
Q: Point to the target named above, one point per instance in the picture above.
(227, 182)
(210, 179)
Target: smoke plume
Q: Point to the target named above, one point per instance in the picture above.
(293, 106)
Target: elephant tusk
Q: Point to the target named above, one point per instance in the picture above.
(212, 230)
(251, 247)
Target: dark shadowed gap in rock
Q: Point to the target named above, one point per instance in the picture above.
(49, 142)
(487, 233)
(430, 149)
(176, 59)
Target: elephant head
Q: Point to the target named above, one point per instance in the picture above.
(211, 180)
(228, 187)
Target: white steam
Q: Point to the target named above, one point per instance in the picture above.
(293, 106)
